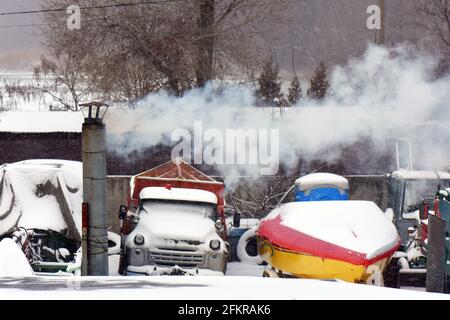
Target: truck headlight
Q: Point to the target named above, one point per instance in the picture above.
(214, 244)
(219, 225)
(139, 239)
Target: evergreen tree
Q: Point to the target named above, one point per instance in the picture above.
(319, 84)
(295, 91)
(269, 85)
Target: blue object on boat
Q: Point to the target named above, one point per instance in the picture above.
(321, 187)
(321, 194)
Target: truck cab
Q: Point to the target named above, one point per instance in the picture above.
(176, 233)
(413, 195)
(408, 190)
(174, 223)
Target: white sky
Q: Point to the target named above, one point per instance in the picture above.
(329, 30)
(18, 45)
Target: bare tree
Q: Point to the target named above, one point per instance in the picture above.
(62, 79)
(128, 52)
(256, 198)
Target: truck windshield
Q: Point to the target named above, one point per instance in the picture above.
(416, 191)
(206, 210)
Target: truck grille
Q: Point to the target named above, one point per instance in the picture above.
(179, 258)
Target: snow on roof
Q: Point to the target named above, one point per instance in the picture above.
(181, 194)
(41, 194)
(51, 163)
(359, 226)
(40, 121)
(416, 174)
(321, 179)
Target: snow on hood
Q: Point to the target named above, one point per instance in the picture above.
(176, 226)
(41, 194)
(359, 226)
(13, 263)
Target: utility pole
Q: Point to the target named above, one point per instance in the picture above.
(95, 220)
(380, 35)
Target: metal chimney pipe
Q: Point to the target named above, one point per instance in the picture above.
(95, 258)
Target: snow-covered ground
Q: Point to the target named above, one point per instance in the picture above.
(193, 288)
(243, 282)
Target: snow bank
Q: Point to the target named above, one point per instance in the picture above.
(13, 263)
(200, 288)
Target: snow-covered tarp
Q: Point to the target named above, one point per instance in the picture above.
(41, 194)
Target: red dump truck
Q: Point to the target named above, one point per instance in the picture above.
(173, 223)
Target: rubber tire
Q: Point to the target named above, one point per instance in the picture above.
(242, 247)
(391, 274)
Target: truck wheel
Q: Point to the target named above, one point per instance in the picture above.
(391, 274)
(247, 250)
(113, 243)
(225, 265)
(122, 265)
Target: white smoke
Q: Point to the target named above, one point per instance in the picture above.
(385, 93)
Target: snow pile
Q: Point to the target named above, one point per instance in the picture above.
(188, 226)
(194, 225)
(13, 263)
(41, 194)
(201, 288)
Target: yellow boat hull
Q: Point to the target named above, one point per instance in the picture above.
(302, 265)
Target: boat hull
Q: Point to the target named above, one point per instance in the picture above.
(346, 240)
(303, 265)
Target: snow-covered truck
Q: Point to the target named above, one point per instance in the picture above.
(173, 223)
(413, 194)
